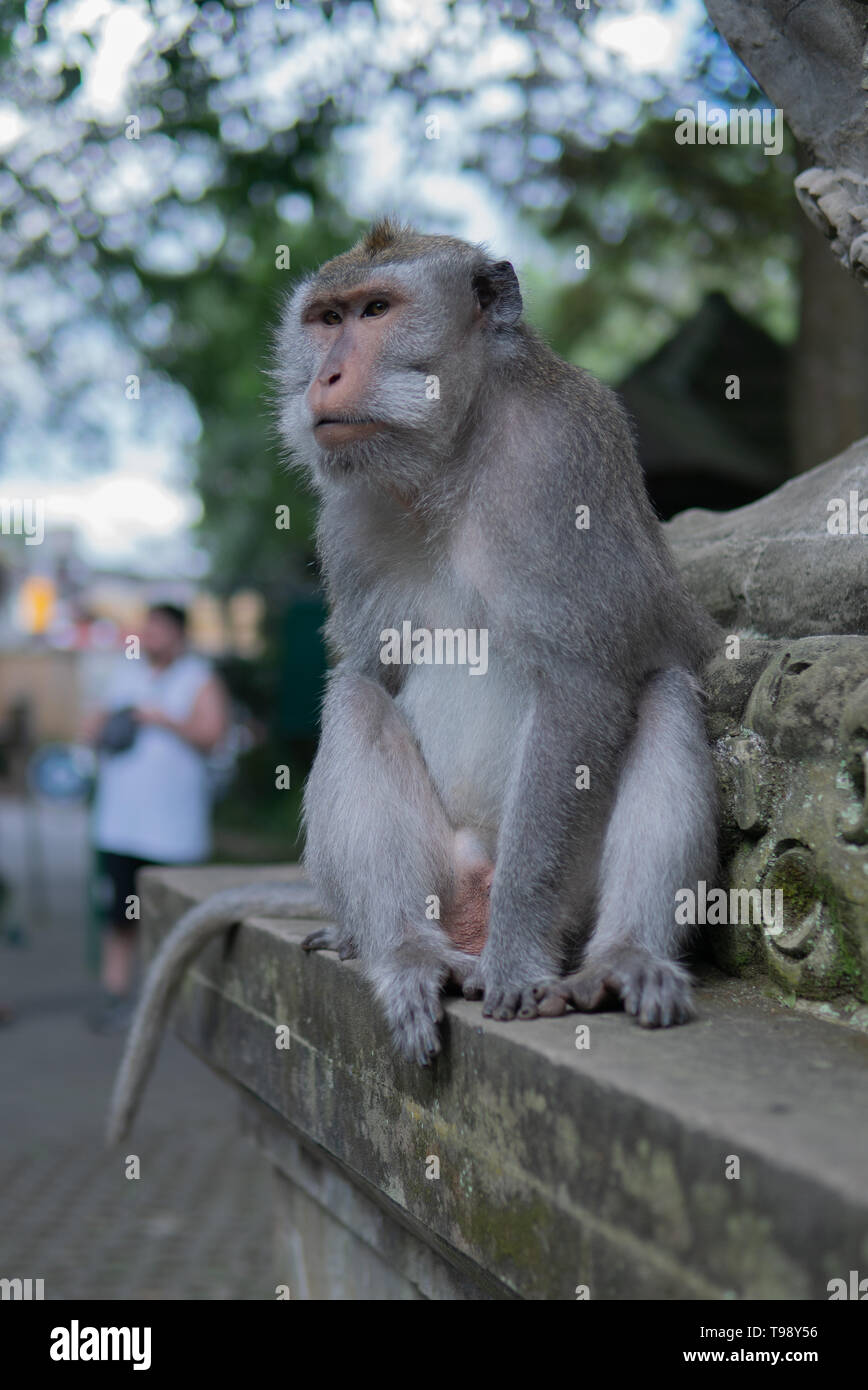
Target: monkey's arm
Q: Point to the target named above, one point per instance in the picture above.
(661, 838)
(183, 943)
(551, 835)
(379, 848)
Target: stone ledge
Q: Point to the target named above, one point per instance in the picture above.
(558, 1167)
(772, 567)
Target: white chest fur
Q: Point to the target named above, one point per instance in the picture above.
(468, 724)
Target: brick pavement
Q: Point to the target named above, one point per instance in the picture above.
(196, 1224)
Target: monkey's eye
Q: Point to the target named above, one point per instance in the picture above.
(375, 309)
(331, 316)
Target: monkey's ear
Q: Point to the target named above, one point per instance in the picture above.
(497, 289)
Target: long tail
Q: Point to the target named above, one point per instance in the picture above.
(185, 940)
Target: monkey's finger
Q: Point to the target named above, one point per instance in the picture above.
(676, 1001)
(630, 987)
(657, 1000)
(427, 1046)
(651, 1013)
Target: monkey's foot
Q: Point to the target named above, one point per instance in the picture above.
(505, 1004)
(330, 939)
(654, 990)
(408, 985)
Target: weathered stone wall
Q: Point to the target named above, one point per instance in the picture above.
(790, 728)
(788, 715)
(583, 1154)
(774, 567)
(533, 1158)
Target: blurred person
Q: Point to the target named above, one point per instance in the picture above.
(163, 714)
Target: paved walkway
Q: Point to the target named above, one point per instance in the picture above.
(197, 1222)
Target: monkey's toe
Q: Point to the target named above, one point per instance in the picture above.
(329, 939)
(501, 1004)
(528, 1005)
(506, 1004)
(473, 986)
(323, 939)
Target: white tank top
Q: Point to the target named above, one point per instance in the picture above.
(154, 801)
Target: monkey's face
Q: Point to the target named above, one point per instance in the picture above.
(379, 365)
(359, 389)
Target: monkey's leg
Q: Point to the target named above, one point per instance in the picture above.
(662, 837)
(465, 919)
(383, 856)
(551, 837)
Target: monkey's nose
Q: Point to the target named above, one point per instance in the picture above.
(330, 394)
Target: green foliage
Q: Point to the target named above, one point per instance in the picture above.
(244, 115)
(587, 155)
(667, 224)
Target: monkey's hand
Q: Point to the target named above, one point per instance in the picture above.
(408, 983)
(507, 996)
(655, 990)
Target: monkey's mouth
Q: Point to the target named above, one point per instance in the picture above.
(332, 430)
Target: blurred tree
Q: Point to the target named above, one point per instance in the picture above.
(811, 61)
(157, 156)
(247, 120)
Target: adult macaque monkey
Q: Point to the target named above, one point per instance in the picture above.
(502, 827)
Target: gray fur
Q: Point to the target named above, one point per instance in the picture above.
(580, 623)
(378, 846)
(460, 513)
(184, 942)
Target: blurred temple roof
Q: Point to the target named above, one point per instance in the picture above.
(697, 448)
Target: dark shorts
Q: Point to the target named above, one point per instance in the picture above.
(114, 883)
